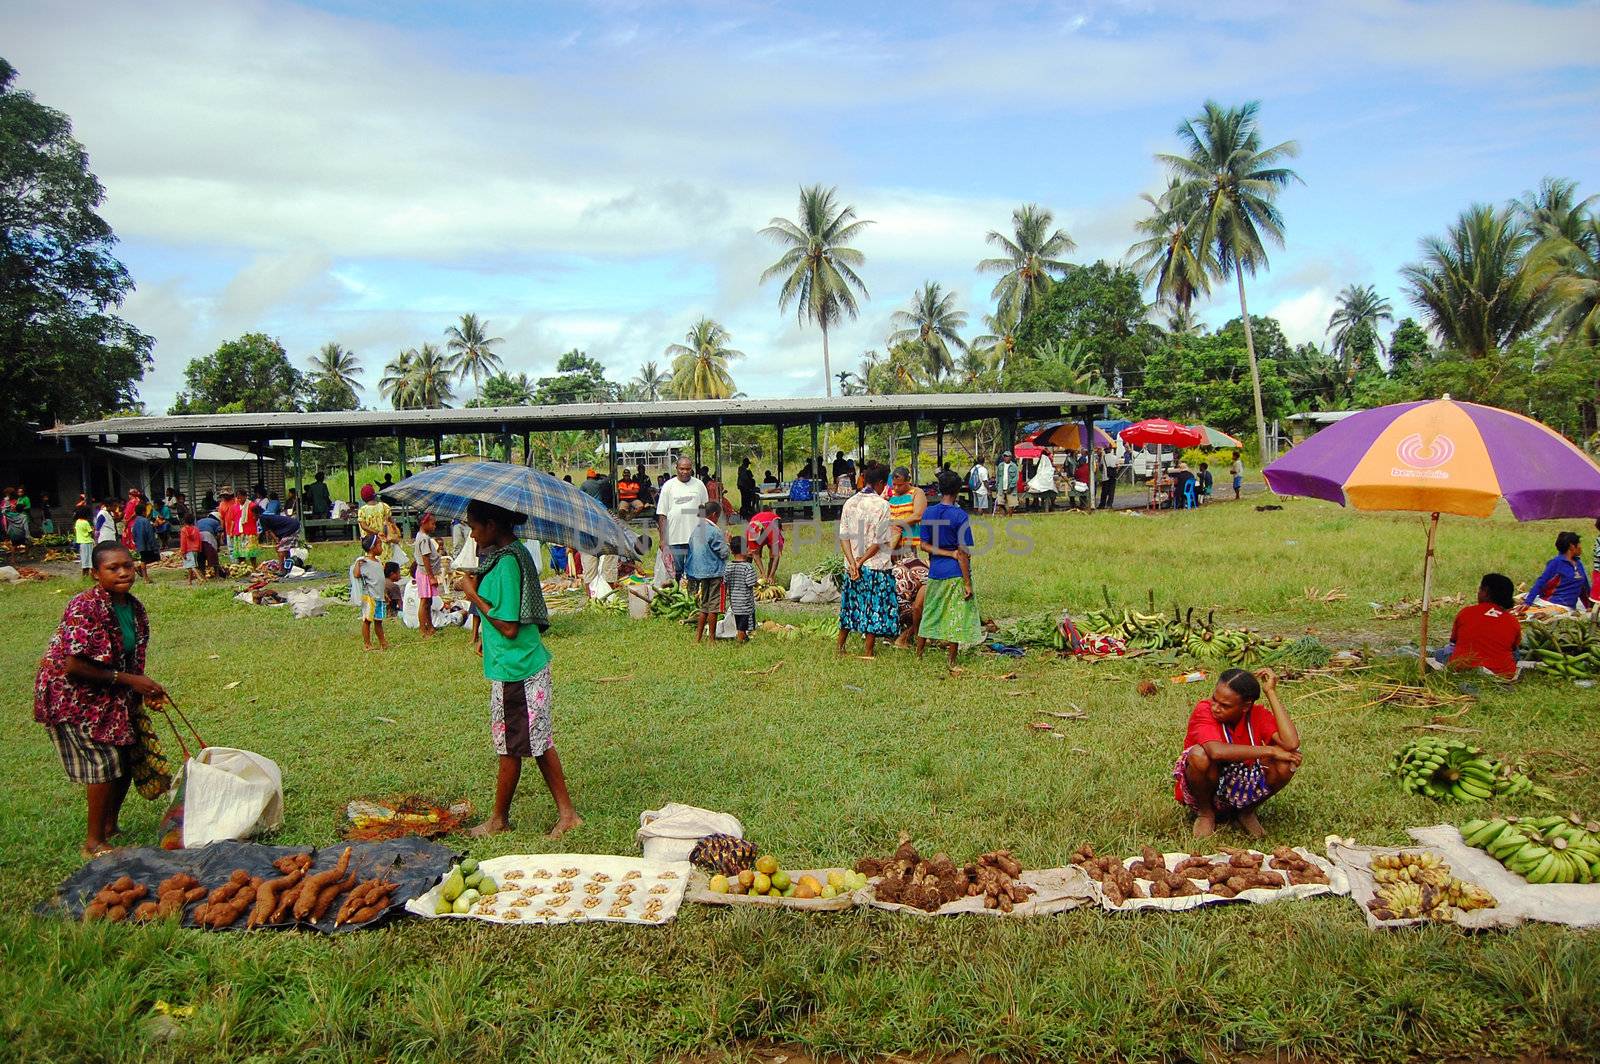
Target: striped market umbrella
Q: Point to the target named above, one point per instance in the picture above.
(1215, 437)
(557, 512)
(1067, 435)
(1441, 456)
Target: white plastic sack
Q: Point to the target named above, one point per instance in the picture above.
(599, 590)
(408, 605)
(799, 584)
(229, 794)
(9, 574)
(669, 833)
(727, 627)
(306, 603)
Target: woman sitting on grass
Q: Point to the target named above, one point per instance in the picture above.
(91, 687)
(505, 592)
(1236, 753)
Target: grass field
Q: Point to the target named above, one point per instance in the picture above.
(824, 760)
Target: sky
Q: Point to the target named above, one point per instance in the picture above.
(596, 175)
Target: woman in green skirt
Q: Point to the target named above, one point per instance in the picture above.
(949, 612)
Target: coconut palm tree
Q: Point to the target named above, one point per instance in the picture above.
(395, 385)
(1554, 209)
(1568, 271)
(1473, 284)
(652, 383)
(700, 363)
(1030, 258)
(819, 266)
(935, 323)
(1359, 311)
(471, 351)
(1172, 256)
(1233, 182)
(1182, 322)
(336, 368)
(1001, 339)
(429, 380)
(1079, 368)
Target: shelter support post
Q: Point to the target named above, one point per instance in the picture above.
(350, 468)
(83, 472)
(861, 444)
(780, 452)
(261, 462)
(716, 453)
(1427, 596)
(938, 447)
(299, 475)
(916, 449)
(438, 451)
(816, 465)
(505, 447)
(527, 448)
(1094, 455)
(400, 455)
(697, 450)
(194, 499)
(611, 449)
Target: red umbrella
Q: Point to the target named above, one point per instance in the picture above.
(1162, 433)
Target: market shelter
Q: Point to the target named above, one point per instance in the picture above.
(179, 435)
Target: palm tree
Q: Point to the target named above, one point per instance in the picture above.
(1080, 369)
(1568, 271)
(429, 380)
(1031, 258)
(1473, 285)
(1001, 339)
(1171, 254)
(395, 385)
(1182, 322)
(1553, 209)
(1233, 182)
(652, 383)
(1360, 310)
(977, 367)
(700, 363)
(335, 367)
(819, 267)
(472, 351)
(934, 322)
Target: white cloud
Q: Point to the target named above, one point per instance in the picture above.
(1304, 317)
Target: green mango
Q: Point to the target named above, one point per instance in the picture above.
(453, 885)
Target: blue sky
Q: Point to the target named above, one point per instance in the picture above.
(595, 174)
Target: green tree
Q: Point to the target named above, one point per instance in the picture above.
(1173, 257)
(1030, 258)
(700, 363)
(1554, 209)
(1408, 347)
(395, 384)
(1353, 326)
(933, 321)
(1473, 284)
(578, 379)
(503, 389)
(429, 381)
(252, 371)
(1234, 183)
(819, 266)
(333, 380)
(653, 383)
(1182, 322)
(1316, 380)
(1207, 379)
(471, 350)
(1102, 306)
(63, 356)
(1000, 342)
(1568, 271)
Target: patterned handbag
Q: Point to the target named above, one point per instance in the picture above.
(151, 773)
(1242, 784)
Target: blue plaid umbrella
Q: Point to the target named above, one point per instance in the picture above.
(557, 511)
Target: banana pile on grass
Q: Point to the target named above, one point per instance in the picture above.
(1448, 770)
(1200, 639)
(766, 591)
(1413, 886)
(1568, 647)
(673, 603)
(1546, 849)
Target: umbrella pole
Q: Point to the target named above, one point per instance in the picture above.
(1427, 594)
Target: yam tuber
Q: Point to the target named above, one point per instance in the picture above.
(267, 896)
(329, 893)
(312, 890)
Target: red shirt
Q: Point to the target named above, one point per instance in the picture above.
(228, 514)
(1485, 635)
(189, 538)
(1256, 728)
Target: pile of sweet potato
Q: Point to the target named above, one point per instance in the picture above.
(1225, 876)
(908, 878)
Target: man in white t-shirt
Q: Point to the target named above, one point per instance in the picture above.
(978, 486)
(678, 506)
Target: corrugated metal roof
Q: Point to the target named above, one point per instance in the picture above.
(950, 406)
(203, 452)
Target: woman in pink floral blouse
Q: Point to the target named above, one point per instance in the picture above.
(90, 683)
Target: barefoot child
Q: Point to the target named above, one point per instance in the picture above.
(949, 612)
(506, 594)
(1236, 754)
(83, 535)
(366, 589)
(426, 573)
(741, 584)
(707, 563)
(91, 685)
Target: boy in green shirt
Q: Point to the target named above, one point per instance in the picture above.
(83, 536)
(506, 593)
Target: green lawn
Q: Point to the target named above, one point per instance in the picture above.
(824, 760)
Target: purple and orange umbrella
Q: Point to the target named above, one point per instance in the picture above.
(1441, 456)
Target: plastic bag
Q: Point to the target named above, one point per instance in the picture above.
(223, 793)
(669, 833)
(799, 584)
(307, 603)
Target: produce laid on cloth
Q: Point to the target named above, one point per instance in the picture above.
(1568, 647)
(1177, 881)
(1547, 849)
(994, 884)
(244, 886)
(392, 818)
(765, 883)
(1449, 770)
(557, 889)
(1417, 884)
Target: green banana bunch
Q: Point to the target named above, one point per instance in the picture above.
(1568, 647)
(1449, 770)
(673, 603)
(1547, 849)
